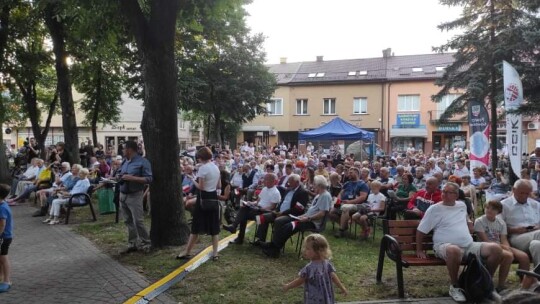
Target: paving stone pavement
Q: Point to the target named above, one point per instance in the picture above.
(52, 264)
(409, 301)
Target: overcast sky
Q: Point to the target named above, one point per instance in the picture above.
(345, 29)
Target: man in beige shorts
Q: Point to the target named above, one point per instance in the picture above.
(452, 239)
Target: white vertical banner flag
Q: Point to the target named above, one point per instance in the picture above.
(513, 98)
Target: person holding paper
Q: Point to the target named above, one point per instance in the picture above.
(267, 202)
(293, 202)
(286, 226)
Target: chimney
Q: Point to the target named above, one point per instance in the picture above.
(320, 58)
(282, 60)
(387, 53)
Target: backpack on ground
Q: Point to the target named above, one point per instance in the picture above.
(476, 281)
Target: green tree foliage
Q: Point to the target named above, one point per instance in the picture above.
(222, 74)
(493, 31)
(28, 68)
(100, 43)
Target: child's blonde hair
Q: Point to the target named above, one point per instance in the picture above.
(319, 244)
(375, 184)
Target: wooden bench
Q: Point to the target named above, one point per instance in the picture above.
(399, 244)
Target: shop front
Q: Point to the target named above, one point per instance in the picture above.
(406, 132)
(448, 135)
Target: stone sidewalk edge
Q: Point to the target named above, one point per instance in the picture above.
(154, 290)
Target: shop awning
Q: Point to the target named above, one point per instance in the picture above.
(408, 132)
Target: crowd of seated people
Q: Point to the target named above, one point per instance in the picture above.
(309, 187)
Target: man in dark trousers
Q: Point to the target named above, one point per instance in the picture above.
(135, 172)
(294, 201)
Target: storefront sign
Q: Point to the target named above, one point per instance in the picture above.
(450, 127)
(408, 120)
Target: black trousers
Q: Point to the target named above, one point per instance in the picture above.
(394, 207)
(244, 214)
(284, 229)
(262, 229)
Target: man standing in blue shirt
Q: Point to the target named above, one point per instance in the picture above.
(6, 235)
(135, 172)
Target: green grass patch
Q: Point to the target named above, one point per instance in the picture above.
(245, 275)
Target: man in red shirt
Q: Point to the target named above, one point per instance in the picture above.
(423, 199)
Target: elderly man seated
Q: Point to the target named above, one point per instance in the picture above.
(286, 226)
(452, 240)
(423, 199)
(293, 202)
(266, 202)
(28, 176)
(44, 178)
(522, 216)
(22, 184)
(81, 186)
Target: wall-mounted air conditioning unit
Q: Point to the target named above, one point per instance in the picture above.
(532, 126)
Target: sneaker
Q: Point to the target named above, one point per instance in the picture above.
(4, 287)
(457, 294)
(54, 222)
(47, 220)
(229, 228)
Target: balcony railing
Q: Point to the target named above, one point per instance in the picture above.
(435, 115)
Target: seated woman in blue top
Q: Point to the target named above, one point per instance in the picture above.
(81, 186)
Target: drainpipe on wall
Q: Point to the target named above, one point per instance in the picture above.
(388, 118)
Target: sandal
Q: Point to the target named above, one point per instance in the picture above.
(184, 257)
(215, 258)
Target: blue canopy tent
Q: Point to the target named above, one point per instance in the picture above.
(337, 129)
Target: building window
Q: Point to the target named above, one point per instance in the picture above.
(445, 102)
(181, 124)
(360, 105)
(329, 106)
(275, 106)
(408, 103)
(301, 107)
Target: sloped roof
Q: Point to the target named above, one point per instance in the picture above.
(396, 68)
(284, 72)
(401, 67)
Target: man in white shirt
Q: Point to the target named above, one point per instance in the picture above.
(310, 148)
(30, 174)
(452, 240)
(522, 216)
(267, 202)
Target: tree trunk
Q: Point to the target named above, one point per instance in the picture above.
(4, 165)
(4, 26)
(30, 101)
(97, 105)
(493, 90)
(69, 122)
(217, 129)
(155, 38)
